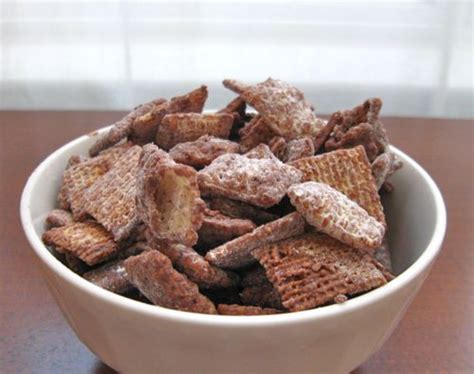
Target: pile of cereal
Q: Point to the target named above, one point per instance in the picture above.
(233, 212)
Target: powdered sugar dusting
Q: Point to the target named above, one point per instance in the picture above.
(262, 182)
(336, 215)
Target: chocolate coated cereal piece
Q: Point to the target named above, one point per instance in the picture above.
(235, 85)
(359, 126)
(238, 209)
(58, 218)
(261, 182)
(111, 277)
(217, 228)
(284, 109)
(185, 127)
(299, 148)
(244, 310)
(111, 199)
(261, 152)
(255, 132)
(152, 273)
(144, 126)
(188, 261)
(76, 179)
(237, 108)
(203, 151)
(192, 102)
(335, 214)
(168, 198)
(141, 123)
(123, 128)
(384, 166)
(278, 147)
(112, 154)
(312, 269)
(348, 171)
(237, 105)
(326, 131)
(237, 253)
(86, 173)
(87, 240)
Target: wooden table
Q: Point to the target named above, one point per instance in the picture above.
(436, 334)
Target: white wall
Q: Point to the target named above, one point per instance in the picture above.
(416, 55)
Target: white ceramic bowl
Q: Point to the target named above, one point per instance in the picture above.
(130, 336)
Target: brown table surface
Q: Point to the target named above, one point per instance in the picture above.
(436, 334)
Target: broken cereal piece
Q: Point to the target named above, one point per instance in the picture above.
(384, 166)
(235, 85)
(348, 171)
(188, 261)
(284, 109)
(58, 218)
(237, 253)
(261, 182)
(261, 151)
(87, 240)
(255, 132)
(278, 147)
(237, 105)
(144, 126)
(299, 148)
(168, 198)
(192, 102)
(111, 199)
(326, 131)
(335, 214)
(152, 273)
(141, 123)
(111, 277)
(185, 127)
(381, 167)
(238, 209)
(123, 128)
(312, 269)
(359, 126)
(217, 228)
(203, 151)
(236, 108)
(244, 310)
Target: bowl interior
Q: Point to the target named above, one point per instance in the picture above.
(412, 211)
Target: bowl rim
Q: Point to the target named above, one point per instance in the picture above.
(413, 271)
